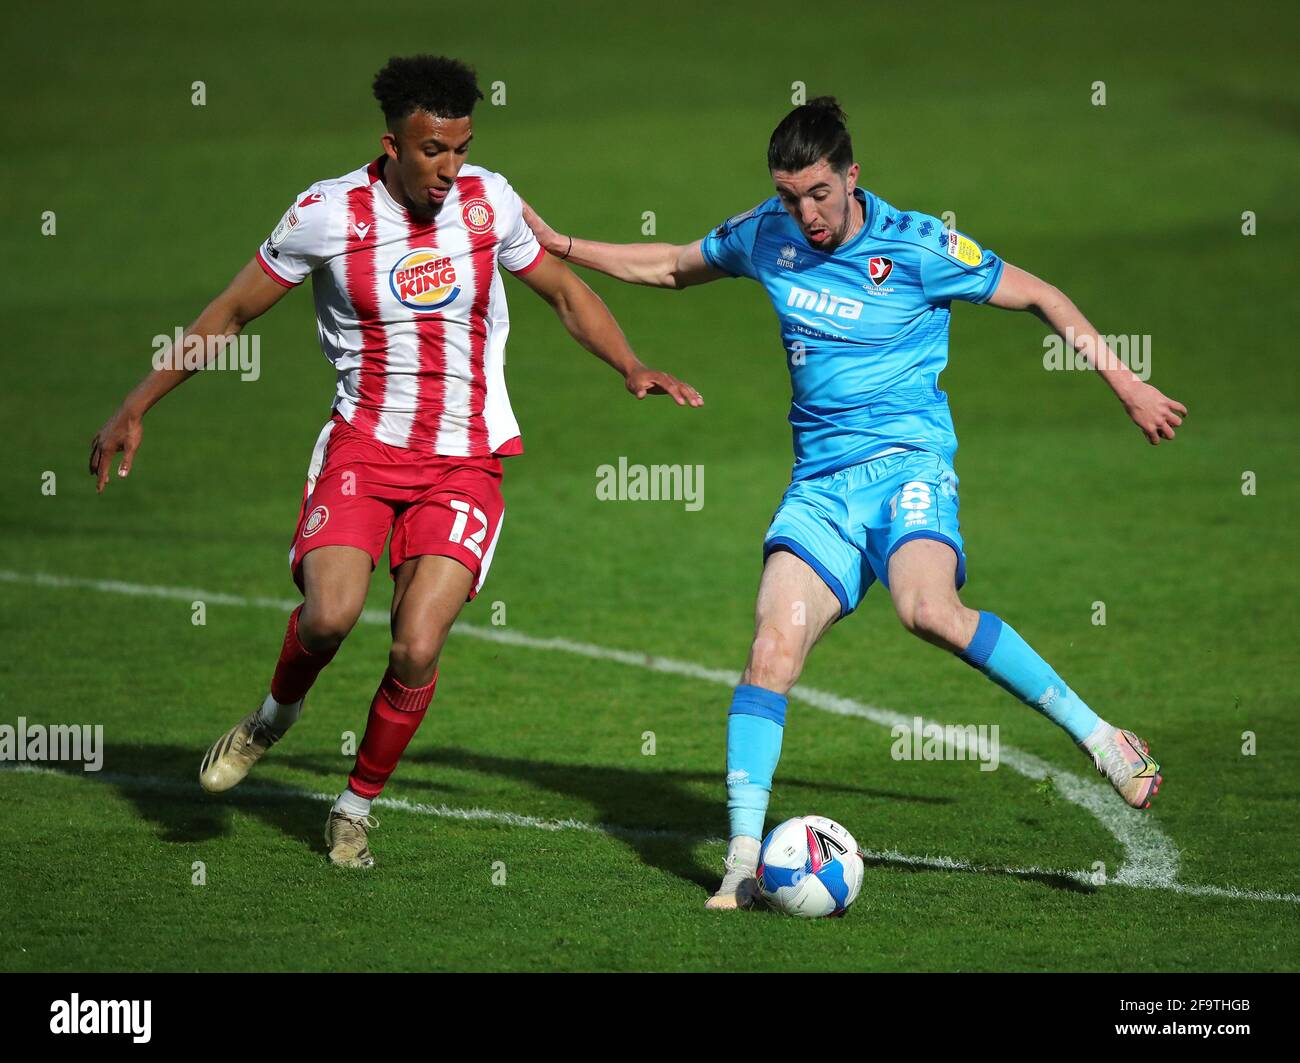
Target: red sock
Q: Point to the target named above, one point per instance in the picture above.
(298, 667)
(395, 715)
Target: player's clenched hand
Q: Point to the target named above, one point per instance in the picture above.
(1153, 412)
(121, 432)
(643, 382)
(552, 242)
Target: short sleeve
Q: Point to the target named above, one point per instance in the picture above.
(296, 245)
(730, 247)
(517, 247)
(961, 270)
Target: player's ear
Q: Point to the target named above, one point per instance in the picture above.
(851, 178)
(389, 141)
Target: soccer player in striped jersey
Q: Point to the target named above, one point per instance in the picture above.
(411, 311)
(863, 290)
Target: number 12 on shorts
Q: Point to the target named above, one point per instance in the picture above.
(474, 544)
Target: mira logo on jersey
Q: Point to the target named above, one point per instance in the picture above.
(825, 310)
(424, 280)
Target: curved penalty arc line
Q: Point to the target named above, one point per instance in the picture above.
(1150, 859)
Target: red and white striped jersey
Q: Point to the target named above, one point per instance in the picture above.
(411, 314)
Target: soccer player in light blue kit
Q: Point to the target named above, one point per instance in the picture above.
(862, 291)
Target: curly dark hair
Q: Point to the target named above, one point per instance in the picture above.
(444, 87)
(817, 130)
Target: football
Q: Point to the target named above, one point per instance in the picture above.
(810, 867)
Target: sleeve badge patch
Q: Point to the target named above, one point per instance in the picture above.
(726, 227)
(964, 249)
(287, 224)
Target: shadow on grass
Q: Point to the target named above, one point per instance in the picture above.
(660, 815)
(1046, 878)
(161, 783)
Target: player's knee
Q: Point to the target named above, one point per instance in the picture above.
(774, 661)
(324, 624)
(414, 660)
(928, 617)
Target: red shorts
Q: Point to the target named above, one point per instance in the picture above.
(359, 489)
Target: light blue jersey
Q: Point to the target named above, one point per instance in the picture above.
(865, 326)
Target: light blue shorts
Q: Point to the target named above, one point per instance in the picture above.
(846, 525)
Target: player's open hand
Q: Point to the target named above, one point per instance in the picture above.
(552, 242)
(643, 382)
(1153, 412)
(121, 432)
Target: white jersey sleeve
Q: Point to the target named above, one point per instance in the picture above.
(298, 244)
(518, 249)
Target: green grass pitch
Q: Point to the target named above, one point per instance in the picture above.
(1134, 208)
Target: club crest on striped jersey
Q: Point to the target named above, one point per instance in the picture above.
(477, 215)
(315, 521)
(424, 279)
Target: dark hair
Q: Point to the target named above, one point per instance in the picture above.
(443, 87)
(810, 133)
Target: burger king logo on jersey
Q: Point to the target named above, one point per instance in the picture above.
(477, 215)
(424, 280)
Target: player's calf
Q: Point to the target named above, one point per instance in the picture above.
(298, 667)
(997, 650)
(395, 715)
(232, 756)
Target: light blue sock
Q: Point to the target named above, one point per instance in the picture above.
(1002, 655)
(755, 727)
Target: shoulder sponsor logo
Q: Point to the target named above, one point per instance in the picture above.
(826, 310)
(310, 198)
(424, 279)
(733, 221)
(786, 258)
(287, 224)
(964, 249)
(477, 215)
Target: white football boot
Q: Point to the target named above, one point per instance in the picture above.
(347, 838)
(739, 888)
(1126, 761)
(233, 755)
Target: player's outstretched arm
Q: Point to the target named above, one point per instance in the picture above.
(1153, 412)
(656, 265)
(590, 323)
(248, 296)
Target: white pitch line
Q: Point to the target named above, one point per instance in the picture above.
(161, 784)
(1150, 858)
